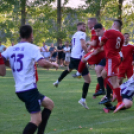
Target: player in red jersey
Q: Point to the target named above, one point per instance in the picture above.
(126, 67)
(2, 66)
(93, 57)
(113, 41)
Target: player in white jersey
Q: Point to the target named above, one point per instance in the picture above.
(127, 93)
(22, 58)
(78, 45)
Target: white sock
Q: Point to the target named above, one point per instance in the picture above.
(57, 81)
(77, 73)
(83, 99)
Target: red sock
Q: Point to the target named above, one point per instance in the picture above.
(1, 60)
(118, 95)
(81, 66)
(97, 88)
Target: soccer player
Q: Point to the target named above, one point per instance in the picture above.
(126, 67)
(97, 56)
(22, 58)
(78, 45)
(2, 66)
(127, 93)
(113, 41)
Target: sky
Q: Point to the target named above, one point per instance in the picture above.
(71, 3)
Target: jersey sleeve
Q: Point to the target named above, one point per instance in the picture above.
(104, 37)
(83, 36)
(35, 53)
(5, 54)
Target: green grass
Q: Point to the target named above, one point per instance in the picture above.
(68, 117)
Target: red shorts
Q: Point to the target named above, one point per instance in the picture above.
(125, 71)
(112, 66)
(94, 59)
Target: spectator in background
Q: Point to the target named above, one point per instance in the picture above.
(12, 43)
(67, 53)
(53, 53)
(2, 47)
(45, 52)
(60, 54)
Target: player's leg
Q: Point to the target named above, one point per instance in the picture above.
(65, 72)
(30, 98)
(48, 105)
(87, 81)
(82, 65)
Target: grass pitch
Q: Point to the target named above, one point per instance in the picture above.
(68, 117)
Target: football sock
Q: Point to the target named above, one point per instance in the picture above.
(117, 92)
(30, 128)
(85, 90)
(81, 66)
(45, 116)
(64, 74)
(97, 88)
(101, 83)
(108, 91)
(83, 99)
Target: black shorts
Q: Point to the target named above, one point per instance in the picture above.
(60, 56)
(74, 63)
(32, 99)
(124, 96)
(102, 62)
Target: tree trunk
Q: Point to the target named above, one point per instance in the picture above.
(58, 20)
(120, 9)
(23, 12)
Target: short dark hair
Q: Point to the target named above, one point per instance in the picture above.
(119, 22)
(93, 19)
(25, 31)
(80, 23)
(126, 33)
(98, 25)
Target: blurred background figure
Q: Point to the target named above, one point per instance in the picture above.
(67, 53)
(45, 52)
(60, 55)
(53, 53)
(12, 43)
(2, 47)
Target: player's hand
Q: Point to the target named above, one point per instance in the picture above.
(133, 63)
(96, 52)
(55, 65)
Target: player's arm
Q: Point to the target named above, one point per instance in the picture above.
(92, 43)
(83, 45)
(46, 64)
(104, 39)
(2, 66)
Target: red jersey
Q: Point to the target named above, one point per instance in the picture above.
(36, 73)
(127, 51)
(113, 41)
(95, 37)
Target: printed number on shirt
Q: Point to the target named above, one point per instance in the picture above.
(17, 59)
(118, 41)
(73, 41)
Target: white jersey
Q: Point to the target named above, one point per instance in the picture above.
(22, 57)
(67, 54)
(76, 44)
(127, 88)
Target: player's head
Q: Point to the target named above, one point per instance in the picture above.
(99, 29)
(117, 24)
(26, 33)
(52, 45)
(126, 38)
(81, 26)
(67, 43)
(91, 22)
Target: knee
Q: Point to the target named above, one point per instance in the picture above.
(127, 103)
(48, 103)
